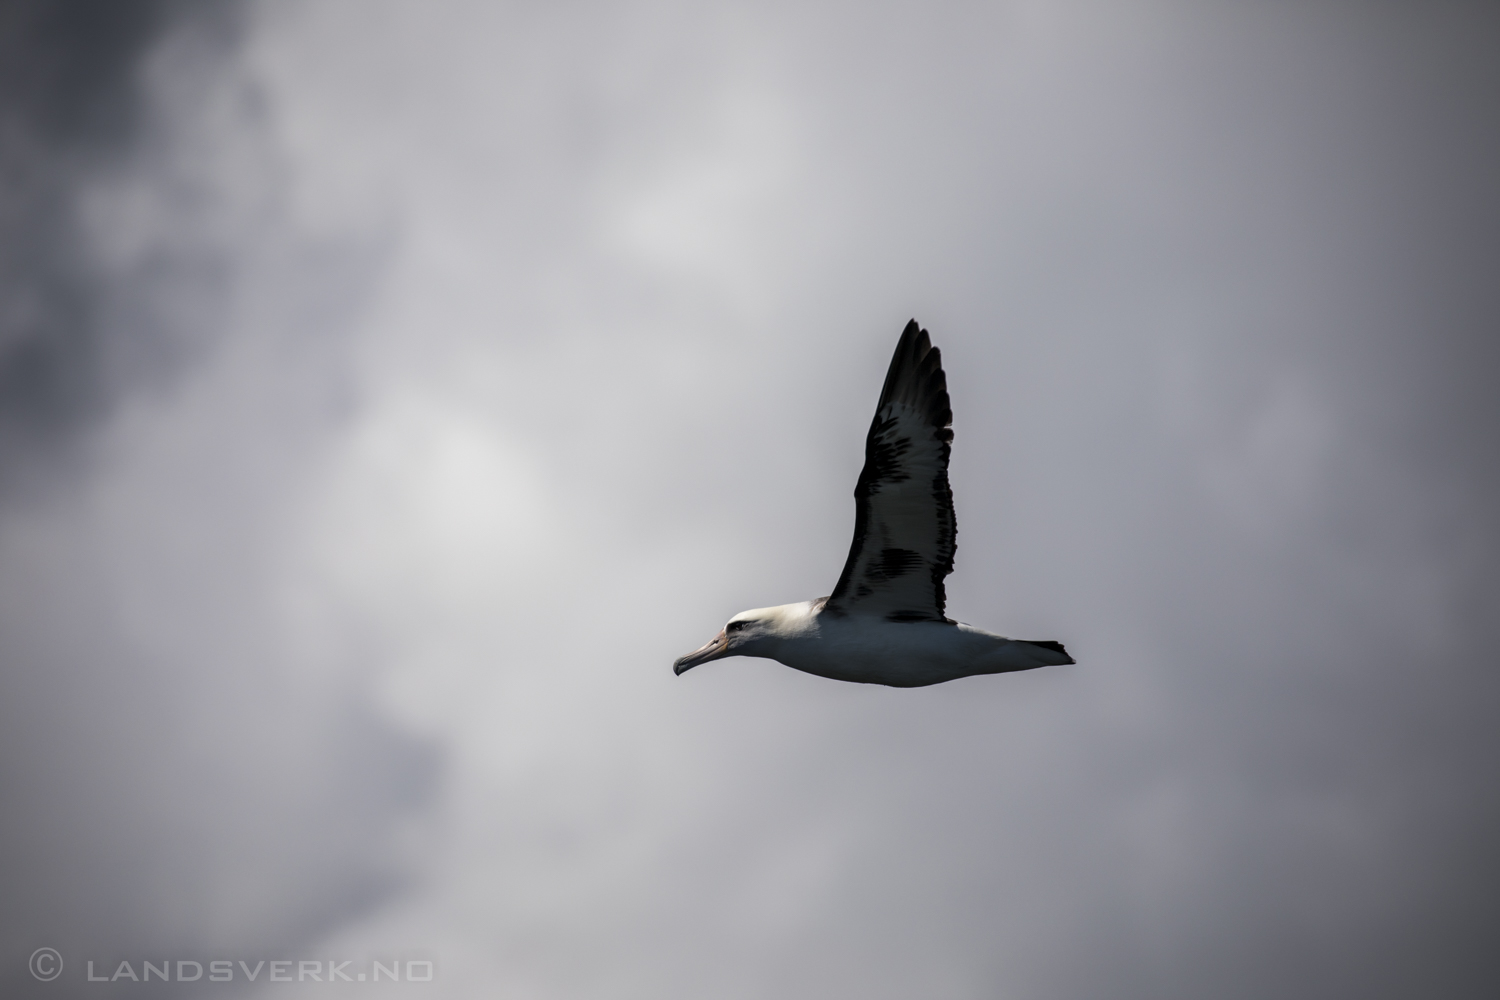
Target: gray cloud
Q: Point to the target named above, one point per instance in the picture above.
(71, 109)
(171, 779)
(543, 342)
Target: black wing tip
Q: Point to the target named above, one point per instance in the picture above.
(1053, 645)
(916, 376)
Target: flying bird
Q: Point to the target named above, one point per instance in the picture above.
(884, 623)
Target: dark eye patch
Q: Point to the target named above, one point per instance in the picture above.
(736, 626)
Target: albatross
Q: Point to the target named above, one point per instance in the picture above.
(884, 623)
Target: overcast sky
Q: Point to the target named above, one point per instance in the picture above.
(389, 392)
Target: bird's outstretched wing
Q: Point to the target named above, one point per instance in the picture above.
(904, 530)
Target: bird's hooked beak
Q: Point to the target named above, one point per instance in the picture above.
(716, 647)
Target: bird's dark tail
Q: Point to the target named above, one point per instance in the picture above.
(1052, 646)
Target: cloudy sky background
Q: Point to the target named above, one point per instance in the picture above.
(389, 392)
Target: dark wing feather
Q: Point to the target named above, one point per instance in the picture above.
(904, 529)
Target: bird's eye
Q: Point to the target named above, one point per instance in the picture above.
(734, 626)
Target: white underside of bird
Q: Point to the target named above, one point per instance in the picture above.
(885, 623)
(870, 650)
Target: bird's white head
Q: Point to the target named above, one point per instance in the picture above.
(749, 633)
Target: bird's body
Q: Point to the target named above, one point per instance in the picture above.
(874, 651)
(884, 623)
